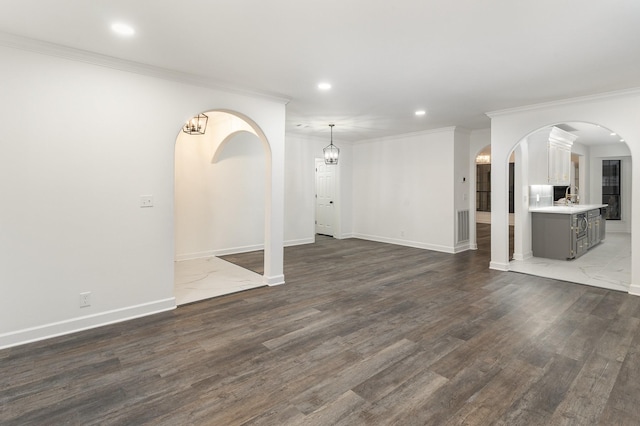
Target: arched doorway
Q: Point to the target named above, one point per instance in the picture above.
(607, 264)
(480, 223)
(481, 198)
(222, 184)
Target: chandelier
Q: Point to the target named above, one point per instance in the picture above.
(197, 125)
(331, 152)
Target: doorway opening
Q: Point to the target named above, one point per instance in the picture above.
(483, 199)
(221, 189)
(325, 198)
(606, 263)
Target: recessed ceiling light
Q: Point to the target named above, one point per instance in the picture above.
(612, 133)
(123, 29)
(324, 86)
(621, 140)
(421, 112)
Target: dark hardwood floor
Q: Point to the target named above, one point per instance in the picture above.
(362, 333)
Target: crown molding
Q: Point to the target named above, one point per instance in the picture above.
(579, 99)
(92, 58)
(409, 135)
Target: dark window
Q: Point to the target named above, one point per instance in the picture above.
(483, 187)
(611, 188)
(512, 194)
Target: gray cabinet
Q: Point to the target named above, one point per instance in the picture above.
(553, 236)
(581, 246)
(594, 233)
(565, 236)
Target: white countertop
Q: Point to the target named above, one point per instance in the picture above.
(574, 208)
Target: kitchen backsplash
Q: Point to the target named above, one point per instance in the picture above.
(540, 195)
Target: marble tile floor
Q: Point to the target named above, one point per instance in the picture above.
(607, 265)
(200, 279)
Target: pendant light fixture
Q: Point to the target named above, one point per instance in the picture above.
(197, 125)
(331, 152)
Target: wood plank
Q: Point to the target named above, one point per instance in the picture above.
(362, 333)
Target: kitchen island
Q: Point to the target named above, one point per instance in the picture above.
(566, 232)
(571, 209)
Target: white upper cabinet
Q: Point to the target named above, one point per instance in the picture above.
(550, 157)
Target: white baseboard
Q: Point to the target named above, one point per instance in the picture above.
(299, 242)
(218, 252)
(74, 325)
(459, 248)
(236, 250)
(522, 256)
(406, 243)
(634, 289)
(499, 266)
(344, 236)
(192, 256)
(274, 280)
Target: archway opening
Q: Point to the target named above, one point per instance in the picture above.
(221, 201)
(483, 190)
(574, 188)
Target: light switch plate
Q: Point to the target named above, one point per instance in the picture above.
(146, 201)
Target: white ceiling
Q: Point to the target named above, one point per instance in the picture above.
(590, 134)
(385, 59)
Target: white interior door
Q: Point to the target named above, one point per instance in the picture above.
(325, 190)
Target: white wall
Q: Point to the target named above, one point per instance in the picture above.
(404, 191)
(345, 191)
(618, 151)
(461, 184)
(79, 144)
(616, 111)
(219, 206)
(300, 188)
(300, 154)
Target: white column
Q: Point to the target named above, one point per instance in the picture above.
(522, 234)
(274, 214)
(499, 206)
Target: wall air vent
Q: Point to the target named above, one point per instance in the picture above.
(463, 226)
(566, 127)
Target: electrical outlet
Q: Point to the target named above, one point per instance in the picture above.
(146, 201)
(85, 299)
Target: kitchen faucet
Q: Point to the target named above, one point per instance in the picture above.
(571, 198)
